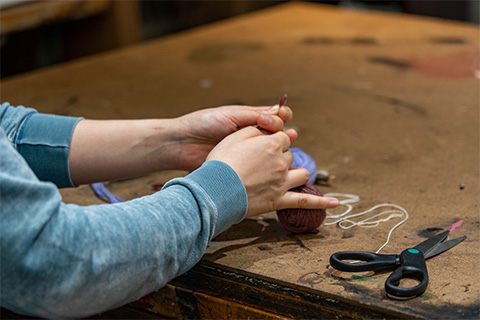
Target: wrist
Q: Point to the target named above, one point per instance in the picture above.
(160, 144)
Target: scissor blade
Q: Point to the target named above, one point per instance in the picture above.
(444, 246)
(428, 244)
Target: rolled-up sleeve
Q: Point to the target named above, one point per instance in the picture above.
(43, 140)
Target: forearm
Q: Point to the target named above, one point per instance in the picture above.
(103, 150)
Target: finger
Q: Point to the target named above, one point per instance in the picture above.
(292, 134)
(289, 158)
(285, 113)
(283, 139)
(296, 177)
(247, 132)
(243, 116)
(273, 110)
(270, 122)
(306, 201)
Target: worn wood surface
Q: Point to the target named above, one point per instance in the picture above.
(387, 103)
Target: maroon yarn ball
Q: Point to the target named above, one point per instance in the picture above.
(302, 220)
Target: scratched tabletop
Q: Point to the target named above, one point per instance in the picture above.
(388, 104)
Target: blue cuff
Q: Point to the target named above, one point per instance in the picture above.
(226, 190)
(44, 142)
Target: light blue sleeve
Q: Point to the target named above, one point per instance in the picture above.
(62, 260)
(43, 140)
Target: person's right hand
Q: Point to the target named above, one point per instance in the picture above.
(263, 164)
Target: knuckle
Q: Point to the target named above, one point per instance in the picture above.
(302, 202)
(273, 146)
(283, 167)
(306, 176)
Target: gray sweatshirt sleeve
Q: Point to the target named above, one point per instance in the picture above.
(62, 260)
(43, 140)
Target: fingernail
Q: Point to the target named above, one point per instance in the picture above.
(274, 109)
(333, 202)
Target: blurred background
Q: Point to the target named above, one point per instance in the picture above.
(36, 34)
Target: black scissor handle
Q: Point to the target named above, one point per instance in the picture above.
(412, 266)
(369, 261)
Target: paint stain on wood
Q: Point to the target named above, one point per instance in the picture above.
(390, 62)
(348, 233)
(448, 40)
(459, 64)
(264, 248)
(299, 243)
(419, 110)
(364, 41)
(318, 41)
(360, 41)
(311, 278)
(215, 52)
(429, 232)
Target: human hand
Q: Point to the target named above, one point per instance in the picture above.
(199, 132)
(130, 148)
(263, 164)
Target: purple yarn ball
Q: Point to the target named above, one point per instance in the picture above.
(302, 220)
(303, 160)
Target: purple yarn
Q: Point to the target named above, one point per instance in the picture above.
(104, 194)
(303, 160)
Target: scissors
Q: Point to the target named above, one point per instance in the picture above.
(408, 264)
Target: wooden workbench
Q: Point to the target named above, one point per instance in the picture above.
(387, 103)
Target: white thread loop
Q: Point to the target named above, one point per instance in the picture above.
(343, 220)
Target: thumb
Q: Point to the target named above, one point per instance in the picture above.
(240, 135)
(247, 133)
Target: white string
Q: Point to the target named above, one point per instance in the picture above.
(343, 220)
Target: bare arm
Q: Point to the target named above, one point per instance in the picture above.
(103, 150)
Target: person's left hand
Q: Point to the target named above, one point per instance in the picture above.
(199, 132)
(130, 148)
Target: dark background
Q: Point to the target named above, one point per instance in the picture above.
(66, 36)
